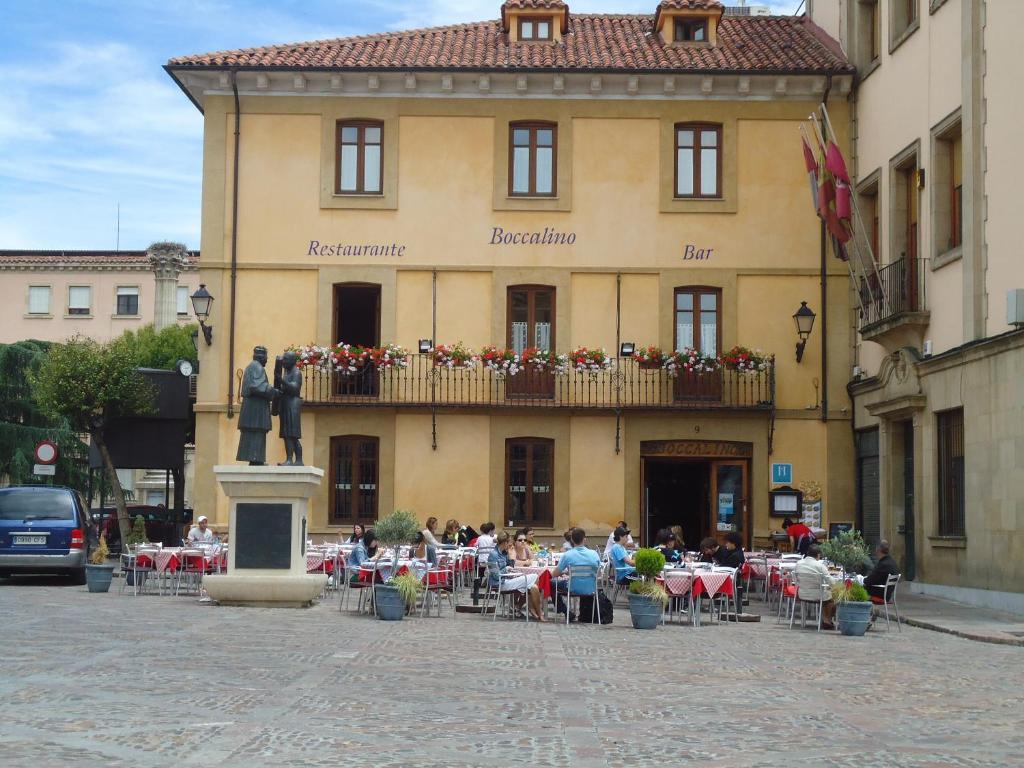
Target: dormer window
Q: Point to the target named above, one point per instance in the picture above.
(690, 31)
(535, 29)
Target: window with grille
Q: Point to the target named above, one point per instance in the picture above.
(355, 463)
(529, 481)
(950, 427)
(79, 300)
(698, 160)
(127, 300)
(39, 300)
(696, 321)
(533, 150)
(360, 159)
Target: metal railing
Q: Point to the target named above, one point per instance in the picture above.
(900, 289)
(625, 386)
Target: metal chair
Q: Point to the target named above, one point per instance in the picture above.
(504, 597)
(581, 572)
(891, 583)
(761, 564)
(139, 574)
(808, 581)
(439, 582)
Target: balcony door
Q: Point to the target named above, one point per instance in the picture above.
(698, 326)
(531, 323)
(357, 322)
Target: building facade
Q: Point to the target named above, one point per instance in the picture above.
(938, 383)
(545, 181)
(54, 295)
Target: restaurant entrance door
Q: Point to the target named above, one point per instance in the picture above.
(677, 492)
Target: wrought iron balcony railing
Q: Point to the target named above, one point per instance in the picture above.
(901, 291)
(625, 386)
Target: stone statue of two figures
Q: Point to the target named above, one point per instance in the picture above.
(260, 400)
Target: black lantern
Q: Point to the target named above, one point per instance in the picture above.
(804, 319)
(201, 303)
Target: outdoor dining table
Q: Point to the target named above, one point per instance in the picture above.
(698, 582)
(168, 561)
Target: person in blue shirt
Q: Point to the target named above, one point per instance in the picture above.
(500, 560)
(364, 550)
(579, 555)
(620, 558)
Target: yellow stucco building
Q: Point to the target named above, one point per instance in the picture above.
(547, 180)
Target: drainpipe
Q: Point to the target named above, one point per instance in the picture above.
(234, 250)
(824, 289)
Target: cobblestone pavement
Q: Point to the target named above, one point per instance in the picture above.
(151, 681)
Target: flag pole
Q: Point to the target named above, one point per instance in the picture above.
(824, 303)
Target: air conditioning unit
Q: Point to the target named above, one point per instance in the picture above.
(1015, 307)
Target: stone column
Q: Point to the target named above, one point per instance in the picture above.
(167, 261)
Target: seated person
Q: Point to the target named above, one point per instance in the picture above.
(499, 561)
(567, 544)
(800, 536)
(809, 574)
(357, 534)
(200, 533)
(628, 542)
(451, 533)
(730, 554)
(709, 550)
(579, 555)
(364, 550)
(885, 567)
(421, 550)
(621, 560)
(485, 541)
(677, 531)
(668, 547)
(524, 555)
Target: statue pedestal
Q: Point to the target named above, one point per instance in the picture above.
(267, 523)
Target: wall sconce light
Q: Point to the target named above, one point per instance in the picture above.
(919, 178)
(425, 345)
(201, 303)
(195, 340)
(626, 349)
(804, 319)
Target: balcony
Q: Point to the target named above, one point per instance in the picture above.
(626, 386)
(893, 313)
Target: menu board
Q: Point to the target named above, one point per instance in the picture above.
(811, 516)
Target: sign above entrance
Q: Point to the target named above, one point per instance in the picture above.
(782, 474)
(316, 248)
(712, 449)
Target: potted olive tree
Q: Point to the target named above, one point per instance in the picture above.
(393, 597)
(847, 550)
(853, 607)
(647, 598)
(98, 573)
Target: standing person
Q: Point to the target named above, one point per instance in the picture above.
(428, 532)
(357, 534)
(885, 567)
(627, 542)
(800, 536)
(499, 561)
(288, 380)
(254, 415)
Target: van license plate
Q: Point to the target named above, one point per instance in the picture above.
(29, 539)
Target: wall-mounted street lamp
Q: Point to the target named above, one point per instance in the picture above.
(425, 345)
(201, 303)
(804, 319)
(626, 349)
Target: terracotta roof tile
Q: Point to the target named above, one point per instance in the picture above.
(81, 258)
(534, 4)
(690, 5)
(595, 42)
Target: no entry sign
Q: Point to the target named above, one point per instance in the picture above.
(47, 452)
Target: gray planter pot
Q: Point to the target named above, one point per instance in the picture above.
(390, 603)
(644, 612)
(853, 618)
(98, 577)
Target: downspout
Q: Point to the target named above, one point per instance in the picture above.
(234, 249)
(824, 288)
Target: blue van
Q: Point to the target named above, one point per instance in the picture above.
(43, 529)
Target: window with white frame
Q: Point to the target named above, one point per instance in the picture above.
(39, 299)
(127, 300)
(79, 300)
(183, 299)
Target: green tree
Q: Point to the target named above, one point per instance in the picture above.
(23, 423)
(163, 350)
(88, 384)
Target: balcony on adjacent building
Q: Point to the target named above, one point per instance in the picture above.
(625, 386)
(893, 311)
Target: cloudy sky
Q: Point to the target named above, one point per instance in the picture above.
(90, 121)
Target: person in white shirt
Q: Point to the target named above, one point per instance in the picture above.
(200, 533)
(428, 532)
(809, 575)
(628, 542)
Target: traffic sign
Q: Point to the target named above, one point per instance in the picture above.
(46, 453)
(782, 474)
(44, 469)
